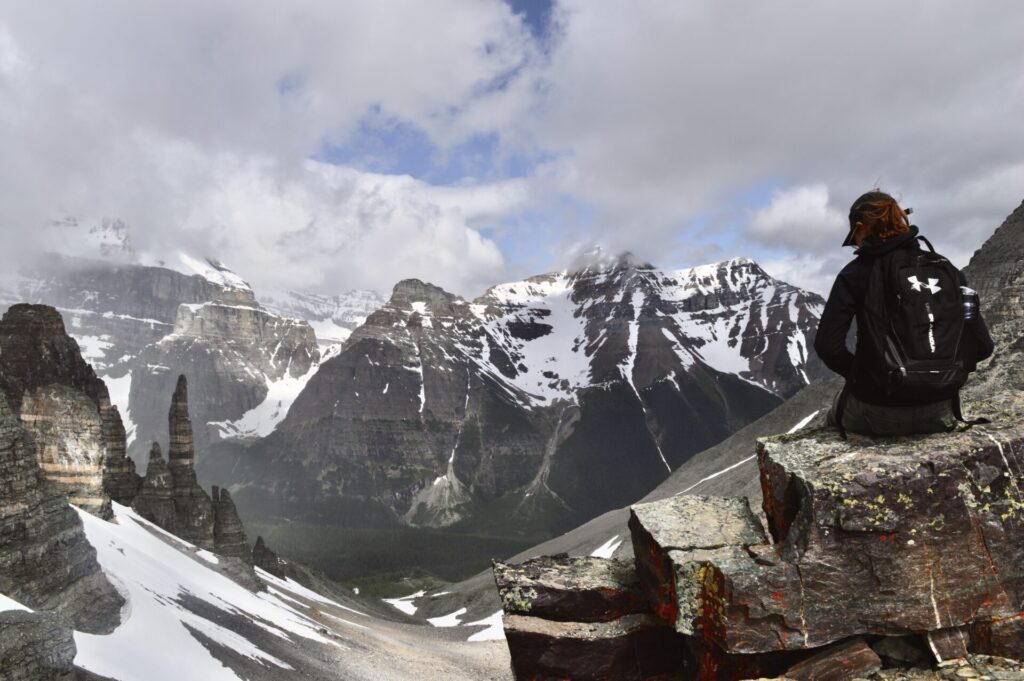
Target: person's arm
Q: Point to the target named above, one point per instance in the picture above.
(830, 340)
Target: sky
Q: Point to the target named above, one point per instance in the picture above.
(325, 146)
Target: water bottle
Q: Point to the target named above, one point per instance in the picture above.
(970, 297)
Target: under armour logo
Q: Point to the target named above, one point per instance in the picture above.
(932, 285)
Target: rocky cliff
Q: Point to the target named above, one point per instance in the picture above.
(141, 326)
(869, 544)
(170, 495)
(45, 561)
(538, 405)
(65, 407)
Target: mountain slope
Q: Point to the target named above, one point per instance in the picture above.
(730, 469)
(538, 405)
(141, 326)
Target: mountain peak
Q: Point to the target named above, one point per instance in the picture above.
(410, 291)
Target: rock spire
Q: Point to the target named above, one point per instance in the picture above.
(155, 500)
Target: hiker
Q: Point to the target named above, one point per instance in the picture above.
(919, 330)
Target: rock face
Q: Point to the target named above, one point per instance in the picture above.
(235, 353)
(70, 443)
(228, 533)
(65, 407)
(138, 324)
(265, 559)
(35, 645)
(539, 405)
(193, 507)
(583, 618)
(46, 562)
(900, 537)
(995, 271)
(591, 589)
(171, 497)
(155, 500)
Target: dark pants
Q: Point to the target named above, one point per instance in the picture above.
(871, 419)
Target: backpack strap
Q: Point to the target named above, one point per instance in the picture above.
(926, 242)
(958, 414)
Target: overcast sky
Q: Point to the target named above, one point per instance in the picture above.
(327, 145)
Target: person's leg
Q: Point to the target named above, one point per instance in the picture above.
(936, 417)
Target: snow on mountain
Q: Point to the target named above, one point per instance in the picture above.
(731, 316)
(155, 640)
(333, 318)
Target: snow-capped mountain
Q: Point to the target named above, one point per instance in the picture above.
(333, 318)
(541, 403)
(141, 326)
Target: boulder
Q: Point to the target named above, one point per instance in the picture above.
(577, 589)
(884, 536)
(675, 537)
(631, 648)
(845, 661)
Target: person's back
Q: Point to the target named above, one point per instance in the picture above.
(869, 403)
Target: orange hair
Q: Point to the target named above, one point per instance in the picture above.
(881, 214)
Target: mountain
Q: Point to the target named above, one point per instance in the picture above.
(333, 318)
(536, 406)
(99, 589)
(729, 468)
(141, 326)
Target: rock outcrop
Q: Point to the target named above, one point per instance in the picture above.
(155, 500)
(915, 539)
(193, 507)
(65, 407)
(46, 563)
(228, 532)
(35, 645)
(267, 560)
(583, 618)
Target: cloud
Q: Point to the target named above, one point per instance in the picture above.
(647, 127)
(194, 121)
(673, 112)
(800, 219)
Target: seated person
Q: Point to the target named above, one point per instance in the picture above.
(876, 399)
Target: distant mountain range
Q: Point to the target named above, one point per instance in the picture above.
(534, 407)
(141, 326)
(522, 413)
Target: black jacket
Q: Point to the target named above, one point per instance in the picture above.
(846, 302)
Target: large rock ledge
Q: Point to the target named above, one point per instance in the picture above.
(873, 546)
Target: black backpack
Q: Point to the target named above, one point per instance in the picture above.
(914, 321)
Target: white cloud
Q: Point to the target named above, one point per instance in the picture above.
(653, 120)
(193, 121)
(801, 219)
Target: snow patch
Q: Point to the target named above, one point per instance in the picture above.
(154, 576)
(607, 549)
(495, 630)
(449, 620)
(262, 419)
(405, 603)
(11, 604)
